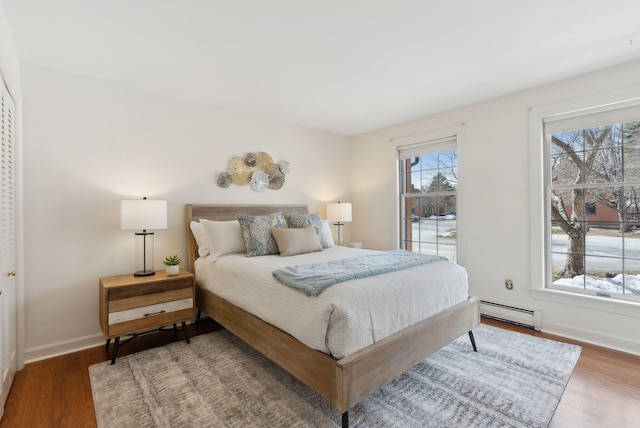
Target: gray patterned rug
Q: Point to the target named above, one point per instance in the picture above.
(515, 380)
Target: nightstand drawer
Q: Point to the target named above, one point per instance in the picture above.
(141, 300)
(140, 290)
(143, 324)
(150, 311)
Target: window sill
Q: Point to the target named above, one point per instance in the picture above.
(597, 303)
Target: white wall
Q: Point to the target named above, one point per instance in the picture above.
(90, 143)
(494, 201)
(9, 63)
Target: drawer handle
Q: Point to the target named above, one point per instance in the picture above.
(155, 313)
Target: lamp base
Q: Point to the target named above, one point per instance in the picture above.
(144, 248)
(144, 273)
(339, 227)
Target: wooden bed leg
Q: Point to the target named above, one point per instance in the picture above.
(473, 341)
(345, 419)
(198, 316)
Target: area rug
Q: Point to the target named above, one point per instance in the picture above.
(515, 380)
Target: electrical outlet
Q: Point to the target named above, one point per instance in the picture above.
(508, 283)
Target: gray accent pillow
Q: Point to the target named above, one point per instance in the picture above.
(300, 220)
(256, 231)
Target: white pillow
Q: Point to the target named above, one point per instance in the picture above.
(325, 233)
(202, 239)
(225, 237)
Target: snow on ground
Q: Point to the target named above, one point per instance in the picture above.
(608, 285)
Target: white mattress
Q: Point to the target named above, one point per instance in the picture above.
(346, 317)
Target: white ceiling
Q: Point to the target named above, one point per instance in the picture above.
(345, 66)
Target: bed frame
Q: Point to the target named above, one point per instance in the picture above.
(347, 381)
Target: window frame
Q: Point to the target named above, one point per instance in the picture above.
(540, 274)
(447, 137)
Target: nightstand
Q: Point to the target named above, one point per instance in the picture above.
(134, 305)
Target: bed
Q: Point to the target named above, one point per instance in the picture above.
(348, 379)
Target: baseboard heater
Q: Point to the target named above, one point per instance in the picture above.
(520, 316)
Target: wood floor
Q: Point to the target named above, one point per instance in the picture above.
(604, 390)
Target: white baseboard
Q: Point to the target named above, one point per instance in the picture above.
(618, 343)
(51, 350)
(61, 348)
(608, 341)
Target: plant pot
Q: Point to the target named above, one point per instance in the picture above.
(173, 270)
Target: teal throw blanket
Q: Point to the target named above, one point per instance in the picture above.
(313, 279)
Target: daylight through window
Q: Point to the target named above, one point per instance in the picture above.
(592, 194)
(429, 179)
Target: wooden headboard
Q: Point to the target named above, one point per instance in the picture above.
(194, 212)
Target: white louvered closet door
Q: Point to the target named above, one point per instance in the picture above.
(8, 352)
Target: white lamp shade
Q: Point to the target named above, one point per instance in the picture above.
(340, 212)
(143, 214)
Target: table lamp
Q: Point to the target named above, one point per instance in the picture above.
(339, 213)
(143, 214)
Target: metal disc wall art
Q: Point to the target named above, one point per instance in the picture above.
(259, 181)
(257, 169)
(239, 171)
(276, 177)
(263, 161)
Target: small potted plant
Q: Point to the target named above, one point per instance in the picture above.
(173, 265)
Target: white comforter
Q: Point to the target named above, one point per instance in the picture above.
(347, 316)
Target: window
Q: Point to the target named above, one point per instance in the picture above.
(428, 202)
(592, 200)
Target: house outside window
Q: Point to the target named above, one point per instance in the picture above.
(591, 191)
(428, 201)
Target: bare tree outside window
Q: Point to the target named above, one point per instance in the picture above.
(594, 172)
